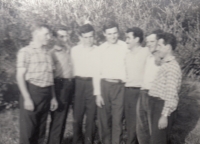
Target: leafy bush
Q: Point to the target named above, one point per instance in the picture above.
(180, 17)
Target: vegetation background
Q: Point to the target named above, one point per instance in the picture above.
(180, 17)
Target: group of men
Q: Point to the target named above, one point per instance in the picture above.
(112, 80)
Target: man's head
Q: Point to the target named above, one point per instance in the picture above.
(86, 33)
(166, 44)
(41, 34)
(152, 40)
(111, 31)
(62, 35)
(134, 37)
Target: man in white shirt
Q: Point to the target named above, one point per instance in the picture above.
(83, 57)
(110, 93)
(135, 64)
(152, 65)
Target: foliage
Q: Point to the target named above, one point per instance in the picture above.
(180, 17)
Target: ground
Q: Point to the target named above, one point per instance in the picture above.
(186, 128)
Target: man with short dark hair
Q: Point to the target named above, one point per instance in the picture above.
(83, 57)
(35, 81)
(110, 91)
(64, 84)
(135, 64)
(163, 93)
(151, 68)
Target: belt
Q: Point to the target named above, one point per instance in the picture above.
(113, 80)
(155, 98)
(84, 78)
(145, 90)
(62, 79)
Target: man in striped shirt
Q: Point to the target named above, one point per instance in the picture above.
(163, 94)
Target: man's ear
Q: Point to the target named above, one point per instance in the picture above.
(169, 47)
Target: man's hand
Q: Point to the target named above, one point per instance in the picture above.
(54, 104)
(163, 122)
(99, 101)
(28, 104)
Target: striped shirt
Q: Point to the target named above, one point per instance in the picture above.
(167, 85)
(38, 63)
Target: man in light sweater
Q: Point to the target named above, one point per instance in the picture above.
(135, 65)
(109, 91)
(83, 59)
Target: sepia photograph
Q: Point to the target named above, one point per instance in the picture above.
(99, 71)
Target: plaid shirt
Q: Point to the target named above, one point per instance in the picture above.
(167, 85)
(38, 63)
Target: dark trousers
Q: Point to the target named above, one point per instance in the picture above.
(149, 111)
(110, 115)
(64, 92)
(130, 103)
(33, 123)
(84, 103)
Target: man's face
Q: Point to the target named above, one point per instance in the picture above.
(151, 42)
(42, 35)
(162, 49)
(111, 35)
(131, 40)
(87, 38)
(62, 37)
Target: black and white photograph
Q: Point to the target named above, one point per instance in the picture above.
(99, 71)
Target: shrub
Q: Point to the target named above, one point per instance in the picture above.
(180, 17)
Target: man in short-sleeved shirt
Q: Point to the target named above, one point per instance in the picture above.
(35, 81)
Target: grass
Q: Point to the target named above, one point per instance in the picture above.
(186, 128)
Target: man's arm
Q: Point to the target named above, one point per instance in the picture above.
(28, 103)
(172, 87)
(97, 77)
(54, 102)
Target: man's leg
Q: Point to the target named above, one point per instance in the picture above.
(131, 98)
(117, 101)
(158, 136)
(104, 115)
(63, 89)
(79, 109)
(143, 120)
(90, 114)
(33, 124)
(28, 124)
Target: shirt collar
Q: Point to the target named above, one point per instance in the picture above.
(58, 48)
(117, 43)
(169, 59)
(34, 45)
(88, 48)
